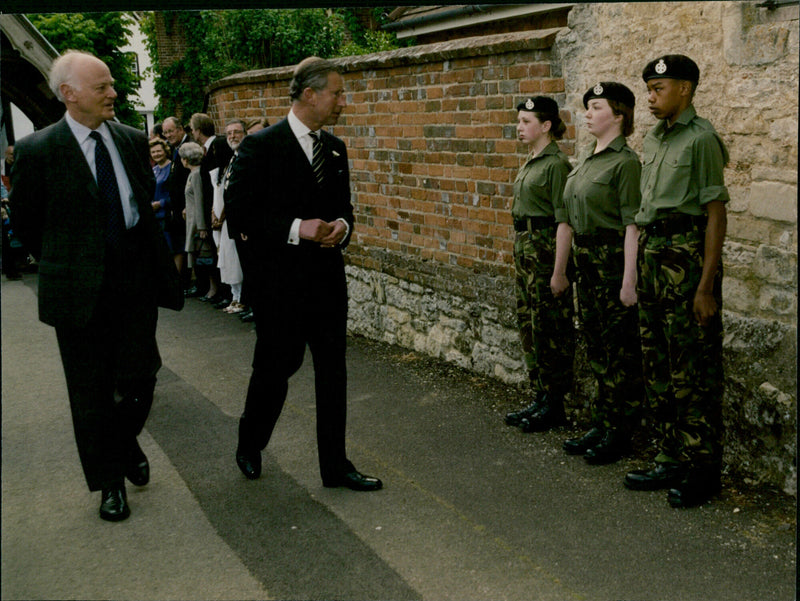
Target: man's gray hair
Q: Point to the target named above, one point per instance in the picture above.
(62, 72)
(311, 72)
(174, 120)
(234, 121)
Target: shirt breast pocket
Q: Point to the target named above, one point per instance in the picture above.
(679, 160)
(603, 179)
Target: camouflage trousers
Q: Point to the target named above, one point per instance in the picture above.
(545, 322)
(683, 370)
(611, 331)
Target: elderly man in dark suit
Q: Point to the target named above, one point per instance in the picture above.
(82, 189)
(289, 196)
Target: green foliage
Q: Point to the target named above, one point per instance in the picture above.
(362, 39)
(372, 41)
(224, 42)
(102, 34)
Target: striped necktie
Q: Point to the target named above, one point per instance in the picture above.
(109, 190)
(317, 158)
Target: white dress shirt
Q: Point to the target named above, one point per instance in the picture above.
(87, 144)
(302, 133)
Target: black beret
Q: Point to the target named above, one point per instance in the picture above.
(540, 104)
(610, 90)
(672, 66)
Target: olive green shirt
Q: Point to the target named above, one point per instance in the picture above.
(540, 183)
(683, 168)
(603, 189)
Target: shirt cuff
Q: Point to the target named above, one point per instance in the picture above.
(346, 228)
(710, 193)
(561, 216)
(294, 233)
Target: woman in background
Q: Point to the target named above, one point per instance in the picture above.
(159, 152)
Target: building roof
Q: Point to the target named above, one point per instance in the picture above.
(408, 21)
(26, 59)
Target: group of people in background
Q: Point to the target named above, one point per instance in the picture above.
(190, 166)
(642, 240)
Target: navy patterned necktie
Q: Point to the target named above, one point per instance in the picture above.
(109, 190)
(317, 158)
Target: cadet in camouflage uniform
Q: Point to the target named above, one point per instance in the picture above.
(683, 222)
(600, 201)
(545, 322)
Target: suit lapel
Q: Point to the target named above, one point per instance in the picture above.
(291, 145)
(127, 154)
(74, 158)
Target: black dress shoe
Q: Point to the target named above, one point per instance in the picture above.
(610, 449)
(578, 446)
(664, 475)
(249, 462)
(354, 481)
(515, 417)
(114, 504)
(190, 292)
(549, 415)
(697, 487)
(248, 316)
(137, 469)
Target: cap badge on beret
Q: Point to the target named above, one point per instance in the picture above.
(661, 67)
(598, 89)
(529, 104)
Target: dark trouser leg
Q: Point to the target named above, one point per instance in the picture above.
(262, 408)
(547, 332)
(554, 331)
(612, 337)
(328, 349)
(523, 261)
(91, 397)
(115, 350)
(682, 360)
(134, 407)
(278, 354)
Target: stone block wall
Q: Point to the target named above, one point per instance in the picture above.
(430, 132)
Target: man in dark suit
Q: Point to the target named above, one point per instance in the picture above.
(81, 193)
(176, 184)
(289, 196)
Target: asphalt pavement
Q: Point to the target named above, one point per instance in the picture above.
(471, 509)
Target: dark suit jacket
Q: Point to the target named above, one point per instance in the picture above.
(217, 157)
(62, 219)
(176, 184)
(271, 183)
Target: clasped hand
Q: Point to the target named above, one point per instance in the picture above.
(327, 233)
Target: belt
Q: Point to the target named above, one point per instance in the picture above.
(600, 237)
(675, 223)
(536, 223)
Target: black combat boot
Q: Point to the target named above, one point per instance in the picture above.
(549, 415)
(515, 417)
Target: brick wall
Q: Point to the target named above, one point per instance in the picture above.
(432, 143)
